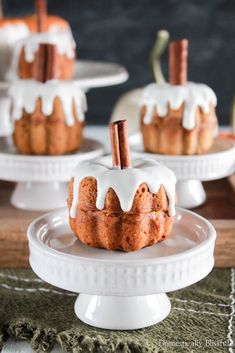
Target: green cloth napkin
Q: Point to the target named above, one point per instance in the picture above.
(201, 319)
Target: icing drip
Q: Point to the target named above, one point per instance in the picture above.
(54, 28)
(63, 40)
(125, 182)
(10, 34)
(192, 95)
(25, 93)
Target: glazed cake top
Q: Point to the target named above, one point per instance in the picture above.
(12, 30)
(25, 93)
(63, 40)
(192, 95)
(125, 182)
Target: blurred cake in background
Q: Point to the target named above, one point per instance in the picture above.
(178, 118)
(48, 113)
(27, 51)
(12, 30)
(44, 29)
(48, 117)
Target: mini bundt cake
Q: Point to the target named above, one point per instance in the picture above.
(12, 30)
(40, 21)
(48, 117)
(26, 54)
(125, 208)
(47, 30)
(178, 118)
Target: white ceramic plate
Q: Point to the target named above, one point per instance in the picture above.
(18, 167)
(42, 180)
(182, 259)
(121, 290)
(217, 163)
(91, 74)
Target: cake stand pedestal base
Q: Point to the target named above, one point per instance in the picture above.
(42, 181)
(190, 193)
(36, 196)
(114, 313)
(121, 291)
(190, 171)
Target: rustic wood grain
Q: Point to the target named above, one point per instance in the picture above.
(13, 226)
(219, 209)
(231, 181)
(220, 202)
(225, 243)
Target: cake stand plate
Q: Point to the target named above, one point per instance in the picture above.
(42, 181)
(88, 74)
(121, 291)
(218, 163)
(92, 74)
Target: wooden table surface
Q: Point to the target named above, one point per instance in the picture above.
(219, 209)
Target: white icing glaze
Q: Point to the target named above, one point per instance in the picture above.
(63, 40)
(124, 182)
(55, 28)
(161, 96)
(10, 34)
(25, 93)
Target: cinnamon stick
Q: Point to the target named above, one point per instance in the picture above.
(46, 63)
(52, 62)
(178, 62)
(39, 74)
(123, 144)
(41, 14)
(119, 144)
(115, 145)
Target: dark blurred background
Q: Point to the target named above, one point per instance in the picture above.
(123, 31)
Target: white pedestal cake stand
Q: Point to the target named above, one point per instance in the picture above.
(5, 121)
(42, 181)
(88, 74)
(92, 74)
(121, 291)
(218, 163)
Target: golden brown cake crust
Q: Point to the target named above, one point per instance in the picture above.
(27, 70)
(147, 223)
(6, 21)
(167, 135)
(47, 135)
